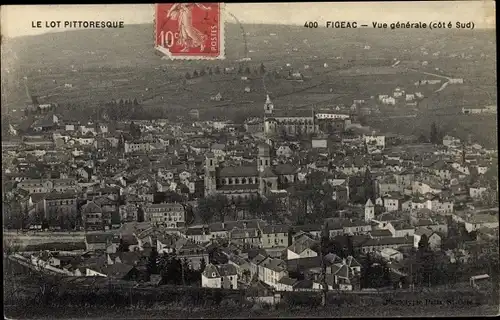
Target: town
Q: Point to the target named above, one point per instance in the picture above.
(286, 201)
(340, 178)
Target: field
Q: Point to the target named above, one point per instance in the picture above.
(117, 65)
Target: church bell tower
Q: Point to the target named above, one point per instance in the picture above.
(268, 106)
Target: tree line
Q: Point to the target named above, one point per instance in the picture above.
(220, 208)
(174, 269)
(217, 70)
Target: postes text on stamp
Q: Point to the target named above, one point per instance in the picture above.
(189, 30)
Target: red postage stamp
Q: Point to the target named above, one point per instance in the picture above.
(190, 30)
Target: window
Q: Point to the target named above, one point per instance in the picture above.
(213, 274)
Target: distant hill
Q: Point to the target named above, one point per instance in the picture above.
(87, 58)
(134, 45)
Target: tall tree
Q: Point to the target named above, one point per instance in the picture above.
(152, 264)
(189, 215)
(369, 193)
(140, 214)
(325, 238)
(262, 68)
(203, 264)
(213, 206)
(135, 130)
(122, 247)
(205, 210)
(434, 135)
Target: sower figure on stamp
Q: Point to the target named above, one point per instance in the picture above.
(189, 36)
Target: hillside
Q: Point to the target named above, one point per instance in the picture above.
(121, 63)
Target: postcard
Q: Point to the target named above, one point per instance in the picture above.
(250, 160)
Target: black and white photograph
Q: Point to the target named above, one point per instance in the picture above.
(250, 160)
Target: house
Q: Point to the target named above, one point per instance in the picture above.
(218, 230)
(449, 141)
(371, 245)
(220, 276)
(393, 201)
(433, 238)
(304, 286)
(380, 233)
(340, 190)
(271, 271)
(217, 97)
(274, 236)
(246, 236)
(286, 284)
(477, 220)
(387, 184)
(61, 205)
(165, 243)
(404, 179)
(137, 146)
(390, 254)
(128, 212)
(302, 248)
(131, 242)
(110, 211)
(284, 151)
(400, 229)
(356, 227)
(243, 268)
(100, 241)
(479, 280)
(338, 279)
(92, 216)
(46, 186)
(121, 271)
(193, 253)
(477, 191)
(426, 186)
(442, 169)
(315, 230)
(353, 264)
(255, 262)
(197, 234)
(377, 141)
(170, 215)
(218, 149)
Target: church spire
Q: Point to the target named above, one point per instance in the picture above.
(268, 106)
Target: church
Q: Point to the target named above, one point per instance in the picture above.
(288, 122)
(246, 182)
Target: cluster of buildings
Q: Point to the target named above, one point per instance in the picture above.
(104, 178)
(400, 96)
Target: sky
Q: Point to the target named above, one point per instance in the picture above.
(16, 20)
